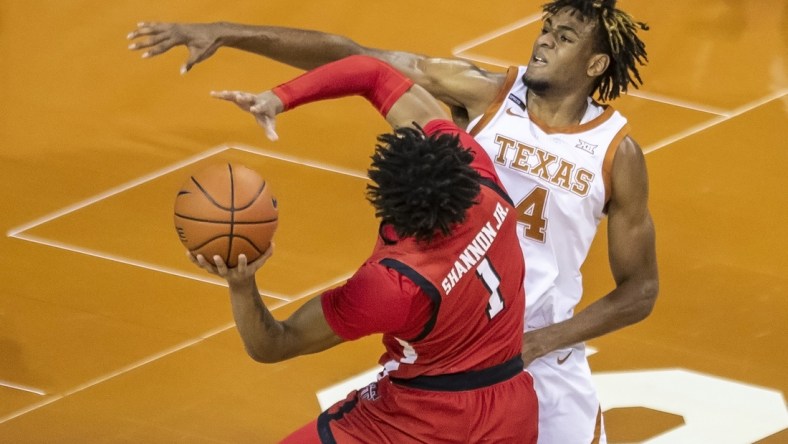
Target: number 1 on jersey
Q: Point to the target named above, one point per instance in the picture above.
(490, 279)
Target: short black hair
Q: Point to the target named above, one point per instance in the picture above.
(422, 184)
(617, 37)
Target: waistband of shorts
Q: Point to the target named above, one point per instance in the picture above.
(470, 380)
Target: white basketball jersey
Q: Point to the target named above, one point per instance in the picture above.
(559, 180)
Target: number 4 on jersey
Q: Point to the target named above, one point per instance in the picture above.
(530, 211)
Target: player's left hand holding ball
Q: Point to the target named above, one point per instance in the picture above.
(238, 274)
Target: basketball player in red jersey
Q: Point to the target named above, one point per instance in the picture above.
(565, 160)
(443, 284)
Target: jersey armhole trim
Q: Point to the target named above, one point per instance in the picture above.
(432, 293)
(492, 109)
(607, 163)
(494, 186)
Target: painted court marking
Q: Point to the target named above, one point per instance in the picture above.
(22, 387)
(19, 232)
(460, 51)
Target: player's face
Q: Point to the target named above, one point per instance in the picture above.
(561, 53)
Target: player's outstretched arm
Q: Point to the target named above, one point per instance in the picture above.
(395, 96)
(265, 338)
(463, 86)
(299, 48)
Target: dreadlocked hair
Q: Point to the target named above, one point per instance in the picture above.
(617, 37)
(422, 185)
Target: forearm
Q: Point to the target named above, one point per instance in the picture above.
(629, 303)
(376, 81)
(261, 333)
(304, 49)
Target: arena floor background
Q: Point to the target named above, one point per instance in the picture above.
(108, 334)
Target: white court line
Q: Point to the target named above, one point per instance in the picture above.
(176, 166)
(171, 271)
(135, 365)
(115, 258)
(18, 233)
(654, 97)
(113, 191)
(525, 21)
(299, 161)
(119, 372)
(22, 387)
(713, 122)
(149, 359)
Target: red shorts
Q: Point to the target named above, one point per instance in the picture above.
(387, 412)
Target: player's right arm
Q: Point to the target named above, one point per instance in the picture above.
(464, 87)
(265, 338)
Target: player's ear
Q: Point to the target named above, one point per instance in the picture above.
(597, 65)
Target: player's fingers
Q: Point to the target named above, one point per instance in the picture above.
(197, 55)
(163, 45)
(242, 99)
(221, 267)
(242, 263)
(202, 262)
(144, 28)
(230, 96)
(153, 46)
(194, 58)
(269, 125)
(224, 95)
(147, 43)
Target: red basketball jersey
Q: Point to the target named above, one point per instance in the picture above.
(474, 278)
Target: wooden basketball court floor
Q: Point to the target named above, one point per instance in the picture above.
(109, 335)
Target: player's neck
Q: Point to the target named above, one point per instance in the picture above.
(557, 111)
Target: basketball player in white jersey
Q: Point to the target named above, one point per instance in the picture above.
(565, 160)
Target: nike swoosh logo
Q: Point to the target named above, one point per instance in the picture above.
(512, 113)
(561, 361)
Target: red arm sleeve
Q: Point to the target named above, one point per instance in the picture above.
(378, 82)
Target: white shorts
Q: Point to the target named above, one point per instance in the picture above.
(569, 411)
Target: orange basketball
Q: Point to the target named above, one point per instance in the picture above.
(226, 210)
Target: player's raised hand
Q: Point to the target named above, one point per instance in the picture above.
(201, 39)
(264, 107)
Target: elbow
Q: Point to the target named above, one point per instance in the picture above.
(263, 356)
(647, 292)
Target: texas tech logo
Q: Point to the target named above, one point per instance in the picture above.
(369, 392)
